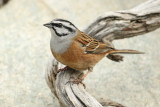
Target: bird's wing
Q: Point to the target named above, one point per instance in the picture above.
(92, 45)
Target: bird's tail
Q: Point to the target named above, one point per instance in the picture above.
(116, 51)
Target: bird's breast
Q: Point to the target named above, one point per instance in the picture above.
(76, 58)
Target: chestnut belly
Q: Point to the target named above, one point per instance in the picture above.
(76, 58)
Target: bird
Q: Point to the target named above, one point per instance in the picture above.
(77, 50)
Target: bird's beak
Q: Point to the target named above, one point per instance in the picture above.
(47, 25)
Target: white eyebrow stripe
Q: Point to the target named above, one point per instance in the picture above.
(65, 24)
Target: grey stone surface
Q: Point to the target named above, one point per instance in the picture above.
(24, 52)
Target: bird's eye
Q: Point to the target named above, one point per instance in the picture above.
(57, 24)
(52, 24)
(60, 24)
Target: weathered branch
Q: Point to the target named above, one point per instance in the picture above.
(124, 24)
(107, 27)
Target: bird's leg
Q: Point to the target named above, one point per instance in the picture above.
(62, 69)
(89, 70)
(79, 80)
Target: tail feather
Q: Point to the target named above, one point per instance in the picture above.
(124, 52)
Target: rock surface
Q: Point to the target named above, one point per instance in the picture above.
(24, 52)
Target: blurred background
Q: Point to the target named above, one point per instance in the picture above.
(24, 52)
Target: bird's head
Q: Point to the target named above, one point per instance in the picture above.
(62, 28)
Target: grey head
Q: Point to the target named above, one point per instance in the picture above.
(62, 27)
(62, 32)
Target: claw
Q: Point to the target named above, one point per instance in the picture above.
(62, 69)
(77, 81)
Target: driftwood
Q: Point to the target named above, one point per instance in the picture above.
(107, 27)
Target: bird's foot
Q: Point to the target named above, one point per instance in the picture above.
(77, 81)
(62, 69)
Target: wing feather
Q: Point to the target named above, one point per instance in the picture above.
(92, 45)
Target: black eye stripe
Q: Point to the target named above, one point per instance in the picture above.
(64, 34)
(57, 24)
(60, 25)
(69, 29)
